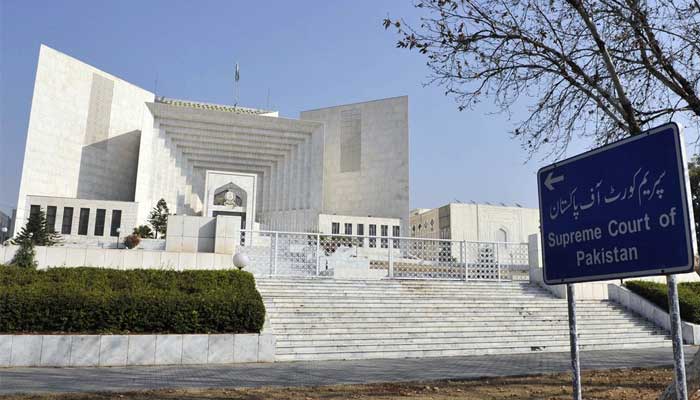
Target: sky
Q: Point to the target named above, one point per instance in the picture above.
(293, 56)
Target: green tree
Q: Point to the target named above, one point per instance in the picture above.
(694, 172)
(159, 218)
(144, 232)
(37, 231)
(596, 70)
(593, 70)
(24, 257)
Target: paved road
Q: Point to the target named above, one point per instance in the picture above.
(14, 380)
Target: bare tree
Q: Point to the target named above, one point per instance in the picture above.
(595, 69)
(600, 69)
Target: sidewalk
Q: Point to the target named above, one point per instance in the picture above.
(14, 380)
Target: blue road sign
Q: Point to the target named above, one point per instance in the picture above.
(618, 211)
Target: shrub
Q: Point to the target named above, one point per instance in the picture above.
(37, 231)
(24, 257)
(96, 300)
(144, 232)
(657, 293)
(158, 218)
(132, 241)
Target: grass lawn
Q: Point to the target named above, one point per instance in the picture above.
(629, 384)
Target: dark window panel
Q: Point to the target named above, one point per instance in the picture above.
(100, 222)
(83, 221)
(67, 223)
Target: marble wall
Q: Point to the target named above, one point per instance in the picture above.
(84, 133)
(369, 176)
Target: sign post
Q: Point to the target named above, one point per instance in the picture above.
(620, 211)
(677, 337)
(573, 339)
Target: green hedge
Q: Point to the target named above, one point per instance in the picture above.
(657, 293)
(94, 300)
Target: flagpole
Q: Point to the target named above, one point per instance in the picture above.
(237, 77)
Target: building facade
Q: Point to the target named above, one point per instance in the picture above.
(98, 146)
(5, 226)
(475, 223)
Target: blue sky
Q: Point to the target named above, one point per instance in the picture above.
(307, 54)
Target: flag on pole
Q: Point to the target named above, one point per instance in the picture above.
(238, 73)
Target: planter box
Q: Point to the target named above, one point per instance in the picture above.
(126, 350)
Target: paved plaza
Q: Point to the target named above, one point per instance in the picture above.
(312, 373)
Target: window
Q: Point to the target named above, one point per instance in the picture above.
(51, 218)
(335, 228)
(67, 220)
(348, 229)
(385, 232)
(34, 210)
(372, 234)
(116, 222)
(396, 232)
(100, 222)
(360, 232)
(83, 221)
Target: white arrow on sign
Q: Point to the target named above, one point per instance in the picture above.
(552, 179)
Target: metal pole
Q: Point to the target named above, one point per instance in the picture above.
(318, 254)
(498, 262)
(573, 338)
(391, 259)
(274, 260)
(677, 338)
(462, 260)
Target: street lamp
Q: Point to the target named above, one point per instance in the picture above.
(4, 234)
(240, 260)
(118, 230)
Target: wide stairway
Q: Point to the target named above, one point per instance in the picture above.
(325, 319)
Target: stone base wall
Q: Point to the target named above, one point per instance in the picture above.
(127, 350)
(59, 256)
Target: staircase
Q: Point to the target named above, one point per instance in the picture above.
(325, 319)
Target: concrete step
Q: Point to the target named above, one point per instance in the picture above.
(460, 303)
(326, 319)
(436, 308)
(451, 316)
(484, 337)
(349, 333)
(551, 342)
(393, 327)
(389, 294)
(458, 352)
(316, 320)
(384, 282)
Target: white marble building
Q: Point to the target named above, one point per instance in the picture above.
(5, 224)
(101, 143)
(475, 223)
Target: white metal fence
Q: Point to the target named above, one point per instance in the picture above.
(278, 253)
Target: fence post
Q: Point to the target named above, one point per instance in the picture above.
(391, 258)
(462, 248)
(274, 259)
(498, 262)
(318, 254)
